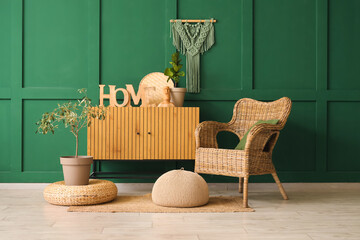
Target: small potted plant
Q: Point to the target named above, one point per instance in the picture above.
(75, 116)
(174, 73)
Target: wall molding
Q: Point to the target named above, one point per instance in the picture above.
(321, 95)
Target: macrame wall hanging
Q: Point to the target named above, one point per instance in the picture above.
(192, 40)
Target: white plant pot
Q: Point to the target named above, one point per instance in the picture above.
(177, 96)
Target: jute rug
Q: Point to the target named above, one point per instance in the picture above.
(144, 204)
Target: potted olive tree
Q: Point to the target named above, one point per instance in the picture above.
(174, 73)
(74, 116)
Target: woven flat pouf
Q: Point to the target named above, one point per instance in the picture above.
(98, 191)
(180, 188)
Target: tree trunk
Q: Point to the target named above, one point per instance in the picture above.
(77, 145)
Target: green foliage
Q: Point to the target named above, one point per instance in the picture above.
(174, 72)
(73, 115)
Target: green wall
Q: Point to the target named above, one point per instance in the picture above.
(307, 50)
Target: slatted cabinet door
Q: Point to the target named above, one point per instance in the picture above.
(136, 133)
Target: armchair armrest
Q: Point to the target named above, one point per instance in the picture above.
(262, 137)
(205, 133)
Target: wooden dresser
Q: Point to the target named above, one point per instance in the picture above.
(144, 133)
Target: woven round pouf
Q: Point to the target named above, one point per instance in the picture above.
(98, 191)
(180, 188)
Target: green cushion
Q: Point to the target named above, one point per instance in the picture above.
(242, 143)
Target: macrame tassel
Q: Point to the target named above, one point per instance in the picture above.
(178, 44)
(193, 73)
(176, 38)
(209, 41)
(192, 47)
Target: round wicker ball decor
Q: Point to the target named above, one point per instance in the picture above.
(98, 191)
(157, 80)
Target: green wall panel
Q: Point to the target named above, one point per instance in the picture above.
(132, 40)
(344, 38)
(134, 166)
(220, 111)
(300, 131)
(227, 48)
(5, 42)
(284, 44)
(42, 152)
(55, 43)
(265, 49)
(343, 136)
(5, 136)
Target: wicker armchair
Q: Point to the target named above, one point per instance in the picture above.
(256, 158)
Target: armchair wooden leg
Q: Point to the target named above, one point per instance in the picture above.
(245, 192)
(241, 182)
(281, 188)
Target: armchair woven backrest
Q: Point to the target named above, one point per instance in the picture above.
(248, 111)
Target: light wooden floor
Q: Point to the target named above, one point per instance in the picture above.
(315, 211)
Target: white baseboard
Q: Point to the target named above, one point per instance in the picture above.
(253, 187)
(123, 187)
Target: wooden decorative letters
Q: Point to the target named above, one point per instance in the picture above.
(128, 93)
(136, 97)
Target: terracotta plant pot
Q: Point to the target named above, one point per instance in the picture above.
(177, 96)
(76, 169)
